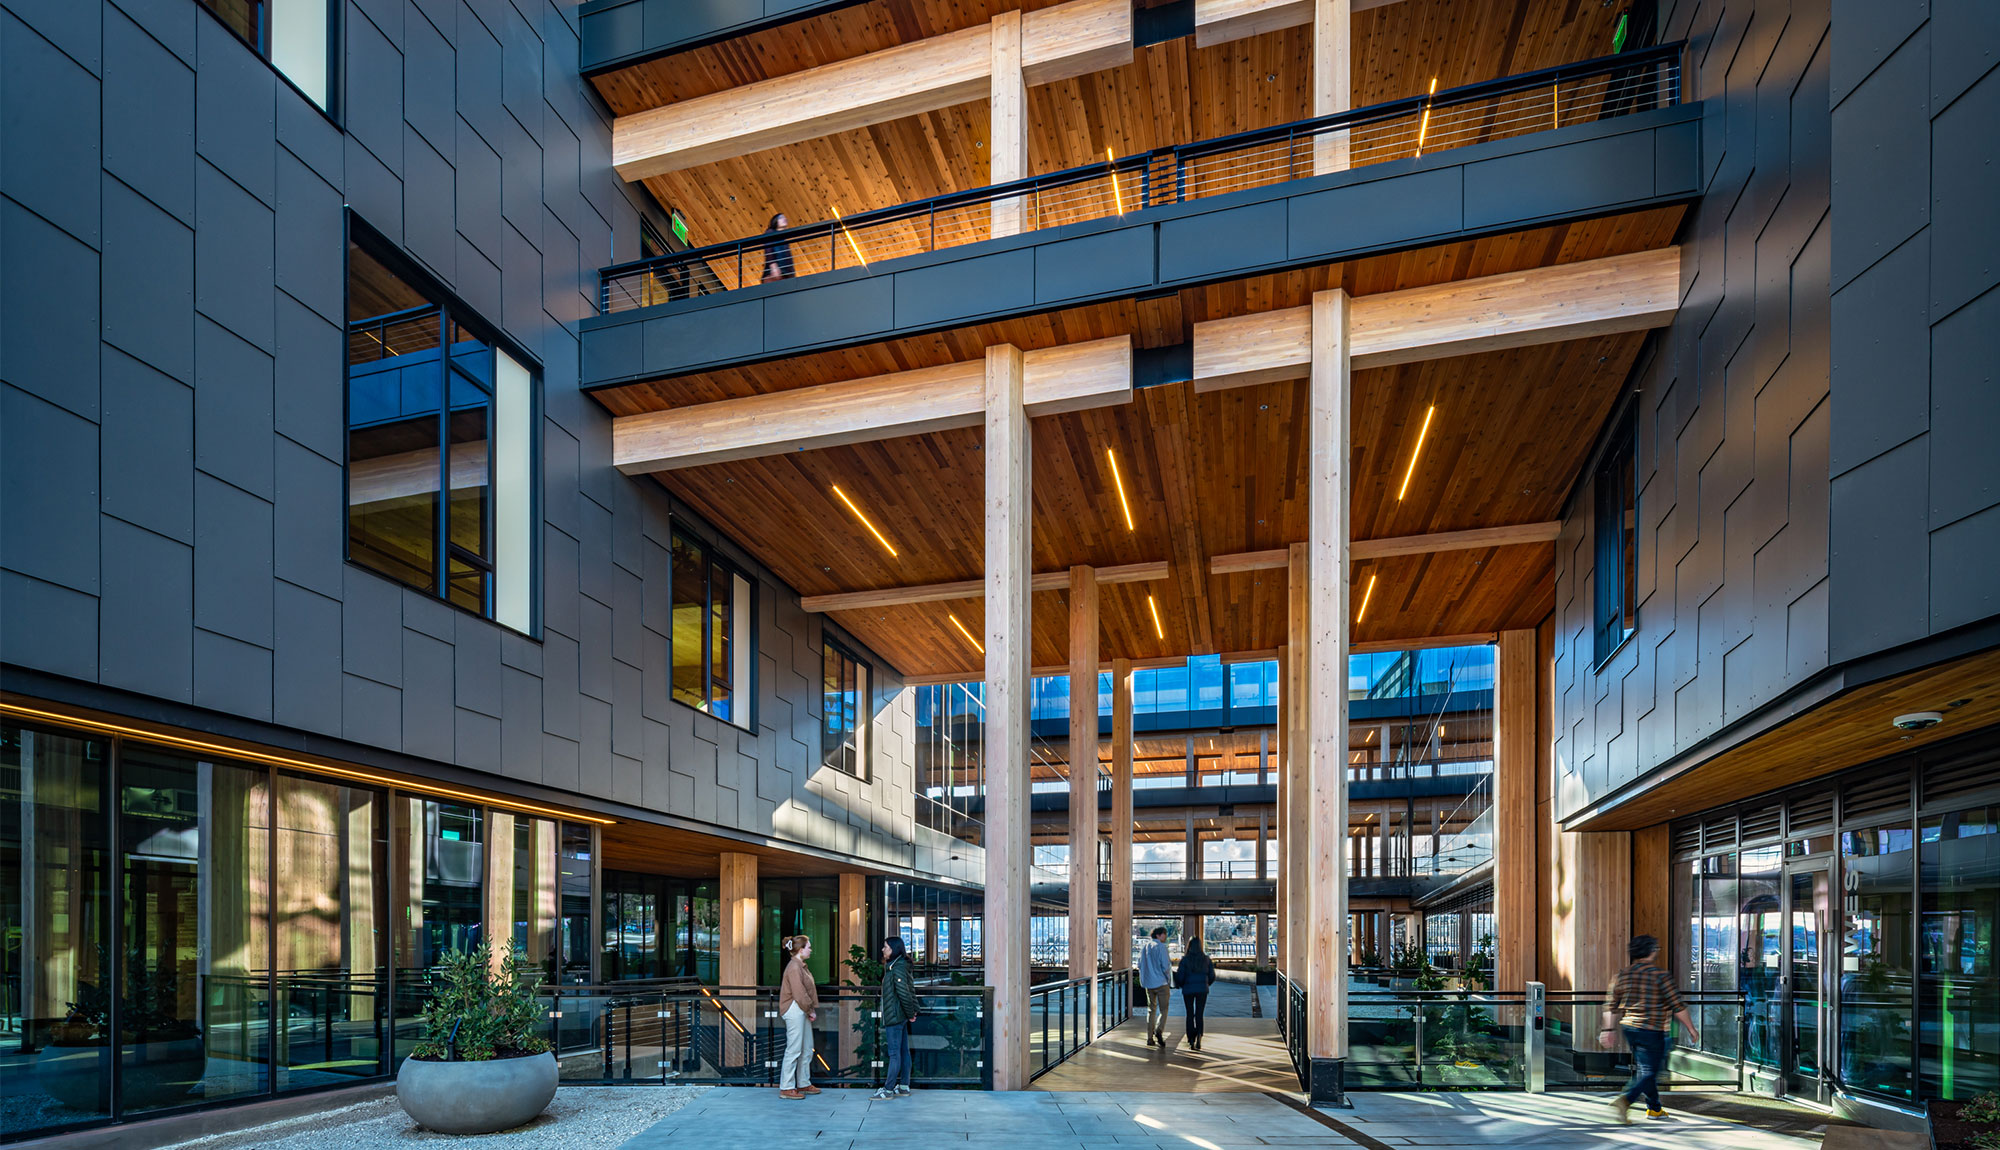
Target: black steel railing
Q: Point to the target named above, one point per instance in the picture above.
(1580, 93)
(1060, 1021)
(733, 1036)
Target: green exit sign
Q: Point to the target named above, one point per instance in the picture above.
(680, 228)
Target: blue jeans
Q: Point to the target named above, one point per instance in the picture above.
(899, 1057)
(1649, 1057)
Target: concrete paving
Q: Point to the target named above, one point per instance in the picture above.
(1552, 1122)
(747, 1118)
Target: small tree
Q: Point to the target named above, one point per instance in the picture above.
(476, 1013)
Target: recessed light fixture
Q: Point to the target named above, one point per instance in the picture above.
(976, 644)
(1117, 197)
(1416, 452)
(1158, 631)
(1365, 596)
(1425, 126)
(849, 233)
(886, 546)
(1118, 481)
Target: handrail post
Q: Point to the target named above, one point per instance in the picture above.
(1534, 1045)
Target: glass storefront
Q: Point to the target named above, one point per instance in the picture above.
(1857, 921)
(182, 930)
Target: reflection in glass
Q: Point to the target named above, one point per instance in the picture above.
(1717, 926)
(1876, 958)
(1960, 996)
(331, 892)
(574, 871)
(1808, 926)
(438, 856)
(524, 880)
(1762, 935)
(55, 888)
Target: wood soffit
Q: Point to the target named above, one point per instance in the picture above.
(1171, 93)
(1208, 474)
(1845, 731)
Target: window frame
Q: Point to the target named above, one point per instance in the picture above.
(855, 738)
(1614, 605)
(744, 630)
(336, 60)
(451, 311)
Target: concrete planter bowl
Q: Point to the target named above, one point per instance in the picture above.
(476, 1097)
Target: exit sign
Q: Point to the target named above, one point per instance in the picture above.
(680, 228)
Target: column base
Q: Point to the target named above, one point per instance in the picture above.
(1328, 1082)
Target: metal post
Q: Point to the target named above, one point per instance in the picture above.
(1535, 1038)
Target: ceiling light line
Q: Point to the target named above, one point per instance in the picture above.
(886, 545)
(1416, 452)
(849, 233)
(1117, 197)
(1118, 481)
(1425, 126)
(976, 644)
(1158, 631)
(1365, 596)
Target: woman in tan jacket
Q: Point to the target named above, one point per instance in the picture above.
(798, 1005)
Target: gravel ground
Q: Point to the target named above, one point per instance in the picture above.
(580, 1116)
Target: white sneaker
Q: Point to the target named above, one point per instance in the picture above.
(882, 1095)
(902, 1092)
(1621, 1108)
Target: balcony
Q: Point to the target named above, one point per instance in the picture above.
(1581, 140)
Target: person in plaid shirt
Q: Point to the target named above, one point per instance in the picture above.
(1643, 1000)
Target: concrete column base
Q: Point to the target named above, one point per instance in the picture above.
(1328, 1076)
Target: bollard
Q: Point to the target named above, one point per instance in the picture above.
(1535, 1038)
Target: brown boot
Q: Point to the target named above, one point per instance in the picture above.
(794, 1094)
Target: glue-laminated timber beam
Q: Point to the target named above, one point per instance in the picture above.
(1220, 21)
(1634, 292)
(1369, 647)
(1473, 539)
(1071, 377)
(1073, 39)
(973, 588)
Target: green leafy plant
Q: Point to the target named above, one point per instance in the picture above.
(1984, 1108)
(865, 970)
(477, 1013)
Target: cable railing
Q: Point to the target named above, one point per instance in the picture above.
(1580, 93)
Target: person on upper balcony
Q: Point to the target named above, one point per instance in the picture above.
(778, 254)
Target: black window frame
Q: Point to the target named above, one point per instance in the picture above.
(852, 738)
(452, 311)
(336, 58)
(715, 570)
(1615, 540)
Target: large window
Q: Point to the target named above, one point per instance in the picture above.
(1615, 541)
(844, 733)
(296, 36)
(1959, 997)
(1875, 971)
(712, 640)
(440, 447)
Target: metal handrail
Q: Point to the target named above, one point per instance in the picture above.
(1162, 176)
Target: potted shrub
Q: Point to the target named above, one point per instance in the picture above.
(482, 1064)
(1973, 1125)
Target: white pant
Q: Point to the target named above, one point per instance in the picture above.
(795, 1072)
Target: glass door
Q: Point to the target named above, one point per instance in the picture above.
(1809, 921)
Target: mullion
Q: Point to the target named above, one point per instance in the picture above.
(442, 523)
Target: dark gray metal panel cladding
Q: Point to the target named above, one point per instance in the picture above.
(1385, 211)
(955, 291)
(616, 32)
(173, 479)
(1092, 265)
(1916, 288)
(1731, 409)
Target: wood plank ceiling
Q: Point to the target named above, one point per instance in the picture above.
(1172, 93)
(1206, 474)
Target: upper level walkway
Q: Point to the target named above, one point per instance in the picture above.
(1575, 142)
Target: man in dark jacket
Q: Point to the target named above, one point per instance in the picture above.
(1194, 977)
(899, 1009)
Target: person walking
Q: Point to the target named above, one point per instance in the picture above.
(1195, 975)
(778, 254)
(798, 1005)
(899, 1009)
(1643, 1000)
(1154, 973)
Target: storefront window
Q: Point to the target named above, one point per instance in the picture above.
(524, 868)
(1716, 927)
(1959, 858)
(1760, 926)
(332, 894)
(1876, 959)
(439, 878)
(55, 900)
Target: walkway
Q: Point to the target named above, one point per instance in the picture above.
(1571, 1122)
(738, 1118)
(1238, 1054)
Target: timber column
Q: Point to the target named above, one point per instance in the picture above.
(1299, 846)
(1121, 814)
(1332, 80)
(1083, 778)
(1008, 591)
(1327, 510)
(1515, 838)
(1007, 122)
(1281, 931)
